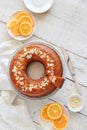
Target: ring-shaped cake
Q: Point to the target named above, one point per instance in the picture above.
(52, 78)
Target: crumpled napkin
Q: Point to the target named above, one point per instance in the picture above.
(14, 114)
(6, 51)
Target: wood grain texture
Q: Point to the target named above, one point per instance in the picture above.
(63, 25)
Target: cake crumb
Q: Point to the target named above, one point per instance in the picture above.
(68, 88)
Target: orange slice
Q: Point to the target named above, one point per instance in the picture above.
(12, 23)
(25, 19)
(15, 31)
(60, 123)
(54, 111)
(43, 113)
(20, 14)
(25, 28)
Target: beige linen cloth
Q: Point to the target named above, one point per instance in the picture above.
(14, 114)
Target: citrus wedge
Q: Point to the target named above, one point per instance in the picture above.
(43, 113)
(15, 31)
(54, 111)
(20, 14)
(25, 28)
(60, 123)
(25, 19)
(12, 23)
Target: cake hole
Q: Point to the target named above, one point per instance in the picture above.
(35, 70)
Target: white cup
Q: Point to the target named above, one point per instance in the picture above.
(39, 2)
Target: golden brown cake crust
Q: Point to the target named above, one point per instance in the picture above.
(53, 70)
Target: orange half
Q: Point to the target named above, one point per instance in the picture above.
(25, 28)
(60, 123)
(12, 23)
(43, 113)
(54, 111)
(20, 14)
(25, 19)
(15, 31)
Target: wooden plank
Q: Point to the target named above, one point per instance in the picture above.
(71, 11)
(80, 66)
(61, 33)
(53, 29)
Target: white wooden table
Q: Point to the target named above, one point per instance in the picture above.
(65, 24)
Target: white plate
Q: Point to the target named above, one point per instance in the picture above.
(38, 7)
(20, 38)
(47, 125)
